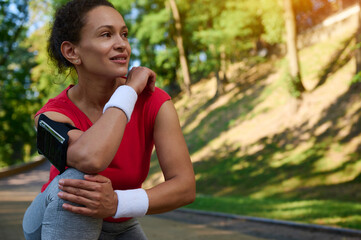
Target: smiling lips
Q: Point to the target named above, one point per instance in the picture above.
(120, 59)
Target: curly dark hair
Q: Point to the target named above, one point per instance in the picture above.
(68, 22)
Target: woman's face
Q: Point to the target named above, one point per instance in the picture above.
(104, 49)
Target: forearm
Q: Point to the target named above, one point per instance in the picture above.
(171, 194)
(94, 149)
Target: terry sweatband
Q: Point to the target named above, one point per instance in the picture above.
(132, 203)
(123, 98)
(52, 141)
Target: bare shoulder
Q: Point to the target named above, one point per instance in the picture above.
(167, 114)
(55, 116)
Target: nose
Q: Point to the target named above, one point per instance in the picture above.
(120, 43)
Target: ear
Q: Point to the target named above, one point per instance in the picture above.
(69, 51)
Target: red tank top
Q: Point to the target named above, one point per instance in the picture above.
(130, 166)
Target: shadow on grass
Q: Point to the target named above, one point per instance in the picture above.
(226, 172)
(337, 60)
(260, 172)
(221, 118)
(252, 173)
(253, 80)
(346, 191)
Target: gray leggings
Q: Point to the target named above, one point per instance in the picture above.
(46, 219)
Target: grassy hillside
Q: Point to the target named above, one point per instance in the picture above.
(258, 151)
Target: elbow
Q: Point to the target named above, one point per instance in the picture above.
(84, 161)
(190, 194)
(92, 167)
(190, 198)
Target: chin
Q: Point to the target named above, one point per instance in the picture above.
(122, 73)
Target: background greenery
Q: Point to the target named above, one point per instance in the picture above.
(257, 150)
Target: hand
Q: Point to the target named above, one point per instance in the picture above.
(95, 193)
(140, 78)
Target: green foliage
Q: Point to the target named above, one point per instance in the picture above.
(272, 21)
(152, 41)
(155, 26)
(292, 83)
(123, 6)
(46, 79)
(233, 27)
(17, 96)
(209, 27)
(57, 3)
(356, 78)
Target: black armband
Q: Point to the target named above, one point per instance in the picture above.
(52, 141)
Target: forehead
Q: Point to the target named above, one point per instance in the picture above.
(103, 15)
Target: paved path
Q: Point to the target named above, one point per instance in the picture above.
(17, 192)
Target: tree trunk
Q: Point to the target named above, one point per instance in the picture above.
(217, 69)
(291, 41)
(221, 80)
(224, 64)
(180, 46)
(220, 89)
(358, 41)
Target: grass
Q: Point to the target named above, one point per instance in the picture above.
(326, 212)
(257, 151)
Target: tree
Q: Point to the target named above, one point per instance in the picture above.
(179, 40)
(198, 35)
(272, 18)
(223, 38)
(17, 97)
(211, 33)
(150, 38)
(297, 87)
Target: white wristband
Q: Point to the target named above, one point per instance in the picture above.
(123, 98)
(132, 203)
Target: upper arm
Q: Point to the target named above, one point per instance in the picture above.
(170, 145)
(58, 117)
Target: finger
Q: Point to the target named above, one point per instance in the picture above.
(79, 210)
(151, 81)
(79, 200)
(77, 183)
(96, 178)
(130, 72)
(78, 192)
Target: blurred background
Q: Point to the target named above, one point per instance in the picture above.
(267, 91)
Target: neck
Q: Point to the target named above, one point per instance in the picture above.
(91, 94)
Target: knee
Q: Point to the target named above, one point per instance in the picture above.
(52, 190)
(72, 173)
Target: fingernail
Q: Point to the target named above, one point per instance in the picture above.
(61, 181)
(60, 186)
(60, 194)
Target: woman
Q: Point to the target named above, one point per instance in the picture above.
(108, 154)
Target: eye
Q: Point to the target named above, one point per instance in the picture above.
(106, 34)
(124, 34)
